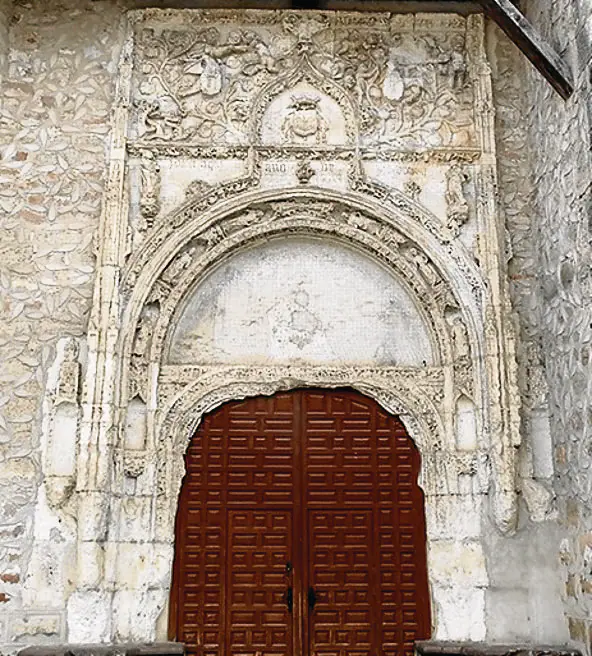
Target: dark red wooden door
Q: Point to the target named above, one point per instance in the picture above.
(300, 530)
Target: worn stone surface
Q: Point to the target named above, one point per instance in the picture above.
(56, 71)
(122, 649)
(559, 138)
(443, 647)
(152, 165)
(304, 300)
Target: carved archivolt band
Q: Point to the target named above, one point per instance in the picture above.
(175, 262)
(408, 394)
(426, 267)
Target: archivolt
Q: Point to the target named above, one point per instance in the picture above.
(428, 268)
(443, 279)
(407, 397)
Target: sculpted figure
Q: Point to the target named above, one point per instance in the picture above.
(457, 67)
(209, 68)
(460, 340)
(198, 188)
(174, 270)
(358, 220)
(258, 56)
(67, 390)
(424, 266)
(149, 201)
(458, 208)
(144, 332)
(160, 118)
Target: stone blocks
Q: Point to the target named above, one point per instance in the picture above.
(122, 649)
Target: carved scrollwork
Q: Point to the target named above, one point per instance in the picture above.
(194, 391)
(200, 83)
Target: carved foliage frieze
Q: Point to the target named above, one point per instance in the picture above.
(405, 82)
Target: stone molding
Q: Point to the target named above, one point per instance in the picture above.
(123, 649)
(445, 648)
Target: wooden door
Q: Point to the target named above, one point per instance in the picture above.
(300, 531)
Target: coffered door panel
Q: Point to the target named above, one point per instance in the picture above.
(259, 622)
(342, 615)
(300, 531)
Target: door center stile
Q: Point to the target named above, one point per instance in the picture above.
(299, 545)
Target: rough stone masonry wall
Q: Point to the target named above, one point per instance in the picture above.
(524, 595)
(56, 75)
(559, 136)
(56, 71)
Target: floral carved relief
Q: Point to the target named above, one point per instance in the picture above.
(409, 85)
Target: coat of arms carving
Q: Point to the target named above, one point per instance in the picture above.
(305, 122)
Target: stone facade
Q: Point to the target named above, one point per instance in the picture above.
(57, 74)
(161, 170)
(562, 296)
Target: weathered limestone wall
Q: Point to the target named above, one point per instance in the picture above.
(559, 139)
(57, 84)
(524, 598)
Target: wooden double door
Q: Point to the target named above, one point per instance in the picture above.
(300, 531)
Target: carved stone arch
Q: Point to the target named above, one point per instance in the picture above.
(403, 398)
(308, 225)
(408, 399)
(305, 71)
(166, 243)
(467, 372)
(391, 206)
(372, 230)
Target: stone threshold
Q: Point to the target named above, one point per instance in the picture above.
(445, 648)
(123, 649)
(422, 648)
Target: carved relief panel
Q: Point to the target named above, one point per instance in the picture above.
(372, 129)
(332, 133)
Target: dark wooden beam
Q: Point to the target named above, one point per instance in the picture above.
(540, 53)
